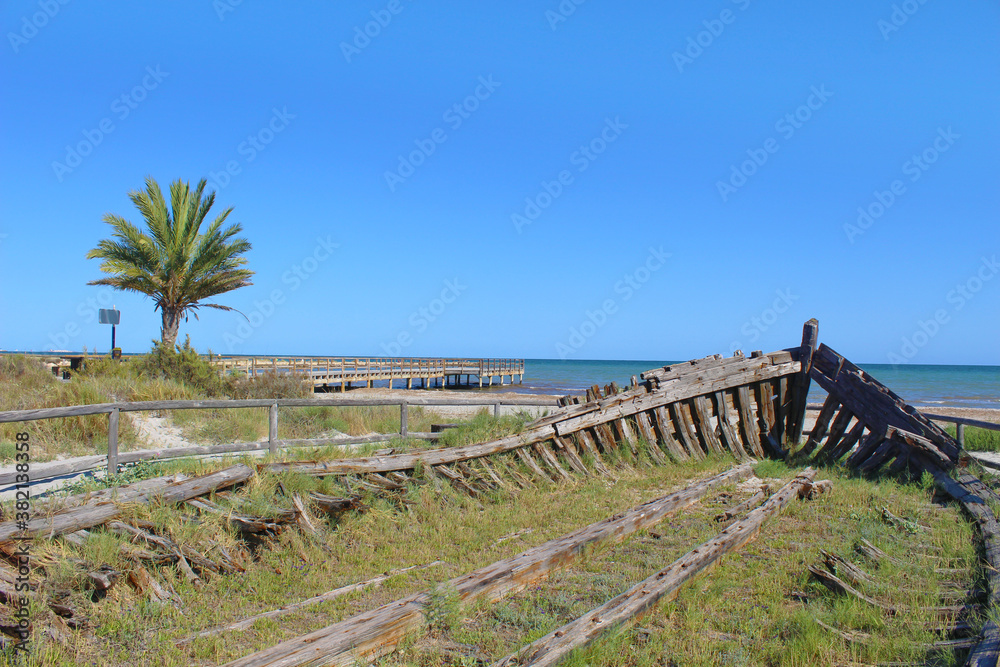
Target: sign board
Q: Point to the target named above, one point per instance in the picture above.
(109, 316)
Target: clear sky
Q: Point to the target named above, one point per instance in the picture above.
(627, 180)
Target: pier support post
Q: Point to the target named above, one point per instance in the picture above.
(272, 429)
(409, 383)
(390, 383)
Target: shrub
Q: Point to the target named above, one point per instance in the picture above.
(183, 365)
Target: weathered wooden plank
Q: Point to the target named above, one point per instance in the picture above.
(329, 400)
(649, 435)
(410, 460)
(87, 515)
(751, 370)
(921, 446)
(529, 461)
(703, 419)
(987, 651)
(668, 436)
(748, 425)
(624, 433)
(549, 459)
(684, 429)
(729, 436)
(378, 632)
(873, 402)
(838, 428)
(763, 392)
(845, 445)
(884, 452)
(800, 386)
(623, 609)
(568, 449)
(590, 449)
(864, 450)
(245, 623)
(821, 425)
(782, 395)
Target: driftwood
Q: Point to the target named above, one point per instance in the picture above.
(146, 584)
(244, 522)
(329, 595)
(379, 631)
(835, 584)
(94, 514)
(624, 608)
(857, 637)
(745, 506)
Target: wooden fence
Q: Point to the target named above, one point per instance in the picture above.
(114, 410)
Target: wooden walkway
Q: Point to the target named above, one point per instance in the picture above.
(345, 372)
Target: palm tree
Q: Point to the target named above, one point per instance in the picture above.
(172, 261)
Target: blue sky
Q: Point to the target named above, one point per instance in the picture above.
(630, 180)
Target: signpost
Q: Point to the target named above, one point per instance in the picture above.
(112, 317)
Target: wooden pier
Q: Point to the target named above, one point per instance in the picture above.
(346, 372)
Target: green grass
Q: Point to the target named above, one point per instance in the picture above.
(979, 439)
(743, 612)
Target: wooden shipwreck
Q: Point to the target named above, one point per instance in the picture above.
(747, 407)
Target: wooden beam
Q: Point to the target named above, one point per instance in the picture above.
(800, 386)
(623, 609)
(378, 632)
(94, 514)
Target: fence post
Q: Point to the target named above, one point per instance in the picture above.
(272, 429)
(960, 434)
(403, 418)
(496, 409)
(113, 441)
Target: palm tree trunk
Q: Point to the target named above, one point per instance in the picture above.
(168, 331)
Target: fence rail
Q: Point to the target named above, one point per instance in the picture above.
(114, 410)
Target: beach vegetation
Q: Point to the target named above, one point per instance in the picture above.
(757, 606)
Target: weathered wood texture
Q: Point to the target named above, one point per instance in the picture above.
(102, 508)
(378, 632)
(245, 623)
(879, 409)
(976, 499)
(800, 385)
(623, 609)
(686, 403)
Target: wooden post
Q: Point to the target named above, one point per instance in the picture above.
(272, 429)
(113, 441)
(960, 434)
(403, 419)
(800, 388)
(496, 409)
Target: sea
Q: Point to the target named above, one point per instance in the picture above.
(920, 385)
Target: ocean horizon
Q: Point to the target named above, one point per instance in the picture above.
(923, 385)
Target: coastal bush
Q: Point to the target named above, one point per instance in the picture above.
(182, 364)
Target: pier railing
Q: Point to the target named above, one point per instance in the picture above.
(114, 457)
(344, 370)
